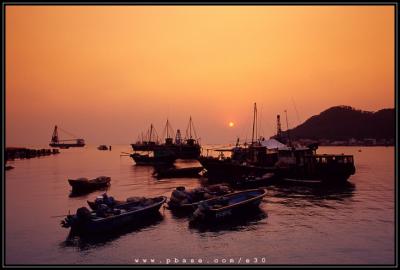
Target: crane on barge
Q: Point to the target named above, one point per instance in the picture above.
(56, 142)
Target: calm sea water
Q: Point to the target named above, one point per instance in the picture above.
(349, 225)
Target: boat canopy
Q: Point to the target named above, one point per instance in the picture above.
(274, 144)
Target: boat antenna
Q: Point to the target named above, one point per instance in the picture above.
(297, 113)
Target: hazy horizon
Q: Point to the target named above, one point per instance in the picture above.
(158, 129)
(105, 73)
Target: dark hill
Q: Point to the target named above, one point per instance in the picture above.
(344, 122)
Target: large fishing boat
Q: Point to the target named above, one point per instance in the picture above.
(56, 142)
(189, 147)
(284, 160)
(183, 148)
(147, 142)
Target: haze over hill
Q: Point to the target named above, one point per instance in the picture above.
(345, 122)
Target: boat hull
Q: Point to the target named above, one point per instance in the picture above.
(188, 151)
(66, 145)
(229, 170)
(322, 174)
(182, 151)
(143, 147)
(147, 160)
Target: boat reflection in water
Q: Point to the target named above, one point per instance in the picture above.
(74, 194)
(245, 222)
(301, 196)
(89, 241)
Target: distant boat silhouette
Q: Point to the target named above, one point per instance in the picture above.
(187, 148)
(149, 142)
(56, 142)
(190, 148)
(102, 147)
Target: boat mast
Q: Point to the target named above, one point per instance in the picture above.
(254, 122)
(190, 127)
(166, 126)
(151, 131)
(287, 131)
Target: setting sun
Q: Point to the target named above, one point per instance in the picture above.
(231, 124)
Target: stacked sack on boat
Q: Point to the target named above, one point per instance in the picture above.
(140, 201)
(181, 196)
(200, 212)
(105, 199)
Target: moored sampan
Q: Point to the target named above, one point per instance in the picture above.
(85, 185)
(108, 219)
(228, 205)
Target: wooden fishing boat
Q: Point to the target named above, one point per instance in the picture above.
(81, 185)
(177, 172)
(184, 148)
(149, 143)
(151, 160)
(228, 205)
(109, 219)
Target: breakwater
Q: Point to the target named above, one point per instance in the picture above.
(12, 153)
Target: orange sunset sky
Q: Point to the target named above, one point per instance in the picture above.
(106, 72)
